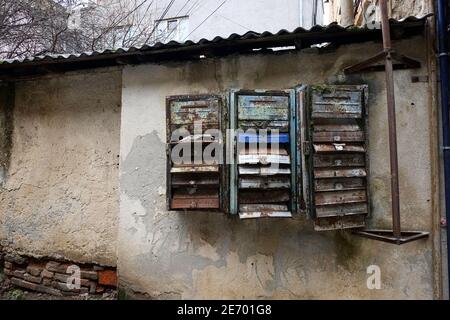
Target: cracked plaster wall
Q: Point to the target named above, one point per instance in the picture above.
(60, 196)
(210, 255)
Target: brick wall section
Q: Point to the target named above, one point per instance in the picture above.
(56, 277)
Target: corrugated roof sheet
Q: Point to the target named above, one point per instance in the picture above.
(230, 44)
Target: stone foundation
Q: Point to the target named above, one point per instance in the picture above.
(59, 278)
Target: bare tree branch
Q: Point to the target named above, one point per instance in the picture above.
(36, 27)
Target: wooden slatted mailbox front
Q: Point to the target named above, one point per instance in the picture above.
(336, 130)
(263, 154)
(194, 145)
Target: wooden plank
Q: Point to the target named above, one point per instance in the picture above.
(263, 207)
(336, 223)
(338, 104)
(259, 107)
(194, 193)
(264, 183)
(194, 180)
(258, 214)
(336, 111)
(208, 138)
(194, 168)
(342, 210)
(247, 137)
(253, 211)
(336, 127)
(195, 203)
(273, 196)
(321, 185)
(189, 127)
(338, 147)
(263, 151)
(263, 171)
(339, 173)
(331, 198)
(338, 136)
(186, 112)
(193, 198)
(282, 126)
(263, 159)
(339, 160)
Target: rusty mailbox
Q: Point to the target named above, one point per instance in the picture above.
(291, 151)
(263, 174)
(194, 151)
(333, 134)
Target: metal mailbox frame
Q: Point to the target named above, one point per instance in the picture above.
(232, 142)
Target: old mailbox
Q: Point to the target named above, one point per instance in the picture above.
(334, 136)
(263, 174)
(194, 151)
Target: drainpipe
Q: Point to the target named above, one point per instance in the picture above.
(300, 13)
(443, 74)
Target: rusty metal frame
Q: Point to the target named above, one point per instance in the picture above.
(396, 235)
(388, 236)
(403, 62)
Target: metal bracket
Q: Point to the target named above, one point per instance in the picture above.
(395, 235)
(403, 62)
(388, 235)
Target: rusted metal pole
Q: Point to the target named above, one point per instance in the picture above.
(395, 193)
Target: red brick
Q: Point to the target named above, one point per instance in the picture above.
(15, 273)
(91, 285)
(47, 282)
(107, 278)
(35, 287)
(47, 274)
(54, 266)
(91, 275)
(35, 269)
(99, 289)
(61, 277)
(30, 278)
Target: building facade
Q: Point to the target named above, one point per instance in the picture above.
(86, 170)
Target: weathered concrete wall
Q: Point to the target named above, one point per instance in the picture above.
(210, 255)
(60, 196)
